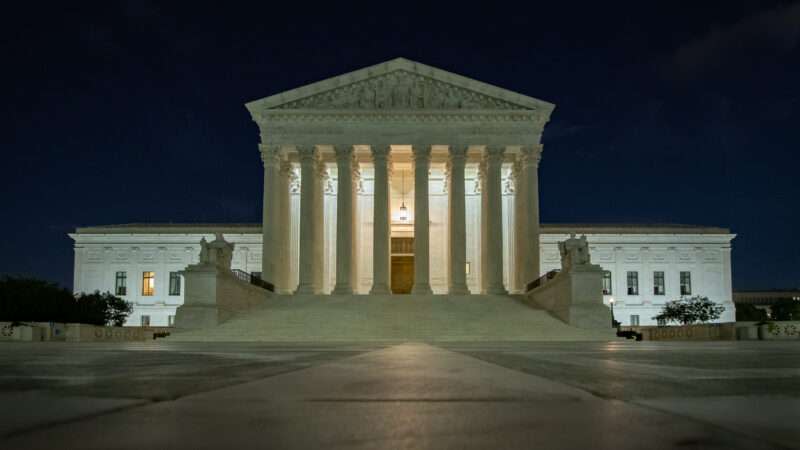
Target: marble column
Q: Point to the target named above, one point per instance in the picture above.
(321, 266)
(270, 156)
(457, 263)
(381, 232)
(493, 193)
(422, 162)
(520, 275)
(356, 221)
(344, 220)
(284, 237)
(309, 203)
(530, 171)
(484, 225)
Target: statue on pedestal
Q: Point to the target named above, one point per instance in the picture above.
(574, 252)
(218, 252)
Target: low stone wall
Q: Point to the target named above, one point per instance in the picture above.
(22, 333)
(76, 332)
(789, 330)
(80, 332)
(771, 331)
(703, 332)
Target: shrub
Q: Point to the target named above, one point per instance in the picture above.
(785, 310)
(748, 313)
(688, 310)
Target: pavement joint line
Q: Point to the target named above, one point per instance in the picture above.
(54, 423)
(737, 431)
(147, 402)
(602, 396)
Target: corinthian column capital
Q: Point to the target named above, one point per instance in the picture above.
(380, 151)
(307, 153)
(422, 153)
(270, 155)
(531, 155)
(493, 154)
(344, 153)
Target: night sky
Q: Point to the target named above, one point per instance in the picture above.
(133, 111)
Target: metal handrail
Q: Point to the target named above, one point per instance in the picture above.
(541, 280)
(253, 279)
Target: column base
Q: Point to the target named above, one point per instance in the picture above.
(380, 289)
(421, 289)
(307, 289)
(342, 290)
(458, 290)
(496, 290)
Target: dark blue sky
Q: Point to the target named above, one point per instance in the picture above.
(125, 112)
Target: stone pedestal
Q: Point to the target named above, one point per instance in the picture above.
(199, 309)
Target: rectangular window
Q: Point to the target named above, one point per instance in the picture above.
(607, 282)
(634, 320)
(662, 322)
(633, 283)
(686, 283)
(145, 321)
(120, 284)
(658, 283)
(148, 283)
(174, 283)
(170, 321)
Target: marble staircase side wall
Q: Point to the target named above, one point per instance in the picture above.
(214, 295)
(575, 297)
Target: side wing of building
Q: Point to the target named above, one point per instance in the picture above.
(646, 266)
(142, 263)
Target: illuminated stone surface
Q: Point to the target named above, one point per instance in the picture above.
(505, 395)
(319, 226)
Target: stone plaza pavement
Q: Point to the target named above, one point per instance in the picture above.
(411, 395)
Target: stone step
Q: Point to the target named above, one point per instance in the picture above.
(305, 318)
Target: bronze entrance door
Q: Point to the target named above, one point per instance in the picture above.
(402, 274)
(402, 265)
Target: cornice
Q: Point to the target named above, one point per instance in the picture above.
(402, 116)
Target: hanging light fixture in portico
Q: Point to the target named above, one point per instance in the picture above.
(403, 210)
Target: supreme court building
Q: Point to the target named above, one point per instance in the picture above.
(401, 178)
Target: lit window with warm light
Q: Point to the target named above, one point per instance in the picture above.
(148, 283)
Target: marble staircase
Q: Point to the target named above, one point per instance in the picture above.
(393, 318)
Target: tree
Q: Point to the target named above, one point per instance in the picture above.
(785, 310)
(746, 312)
(688, 310)
(32, 300)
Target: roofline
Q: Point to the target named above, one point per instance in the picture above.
(239, 228)
(385, 67)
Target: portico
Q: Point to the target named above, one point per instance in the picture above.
(399, 116)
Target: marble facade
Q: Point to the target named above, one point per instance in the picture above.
(340, 156)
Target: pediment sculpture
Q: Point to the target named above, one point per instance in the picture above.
(400, 90)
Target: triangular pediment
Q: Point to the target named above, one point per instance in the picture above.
(399, 84)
